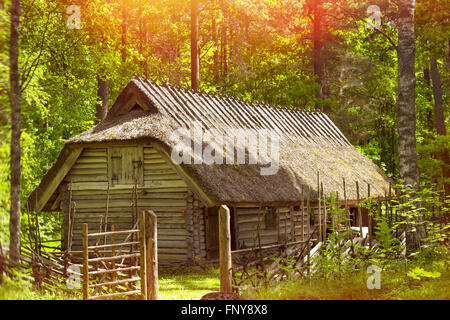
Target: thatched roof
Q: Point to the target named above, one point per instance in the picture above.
(309, 143)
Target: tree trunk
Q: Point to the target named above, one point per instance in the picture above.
(103, 94)
(406, 109)
(224, 51)
(317, 50)
(440, 120)
(216, 50)
(195, 50)
(406, 104)
(124, 33)
(224, 39)
(14, 220)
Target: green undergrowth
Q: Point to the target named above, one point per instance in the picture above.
(393, 287)
(369, 275)
(174, 284)
(16, 286)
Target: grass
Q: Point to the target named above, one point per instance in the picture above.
(187, 284)
(393, 287)
(174, 284)
(191, 284)
(17, 288)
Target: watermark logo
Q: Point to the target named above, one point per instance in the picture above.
(374, 281)
(74, 279)
(237, 146)
(374, 20)
(74, 20)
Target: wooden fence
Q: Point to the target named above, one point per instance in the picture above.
(128, 268)
(284, 259)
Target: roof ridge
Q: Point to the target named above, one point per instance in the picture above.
(222, 109)
(222, 95)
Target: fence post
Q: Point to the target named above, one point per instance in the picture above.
(85, 261)
(143, 254)
(319, 206)
(225, 250)
(151, 255)
(113, 253)
(369, 216)
(359, 210)
(325, 218)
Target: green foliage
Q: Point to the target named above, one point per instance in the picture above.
(419, 273)
(340, 271)
(394, 286)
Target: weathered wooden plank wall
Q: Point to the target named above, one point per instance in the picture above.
(163, 191)
(181, 214)
(289, 225)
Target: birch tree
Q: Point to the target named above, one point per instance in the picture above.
(14, 220)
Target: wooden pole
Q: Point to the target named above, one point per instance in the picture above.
(347, 212)
(278, 225)
(308, 208)
(85, 261)
(359, 209)
(285, 227)
(389, 206)
(292, 222)
(303, 213)
(324, 234)
(143, 259)
(151, 255)
(113, 253)
(309, 256)
(225, 250)
(369, 216)
(337, 221)
(319, 207)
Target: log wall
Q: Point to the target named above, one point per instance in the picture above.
(163, 191)
(180, 213)
(288, 227)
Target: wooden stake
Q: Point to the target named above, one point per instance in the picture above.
(72, 222)
(303, 213)
(143, 269)
(309, 257)
(278, 225)
(389, 213)
(292, 223)
(225, 250)
(337, 220)
(151, 254)
(106, 212)
(347, 212)
(324, 215)
(285, 228)
(85, 261)
(319, 206)
(359, 210)
(369, 216)
(309, 209)
(113, 253)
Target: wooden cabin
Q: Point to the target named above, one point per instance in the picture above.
(124, 165)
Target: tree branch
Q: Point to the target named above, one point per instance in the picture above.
(368, 23)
